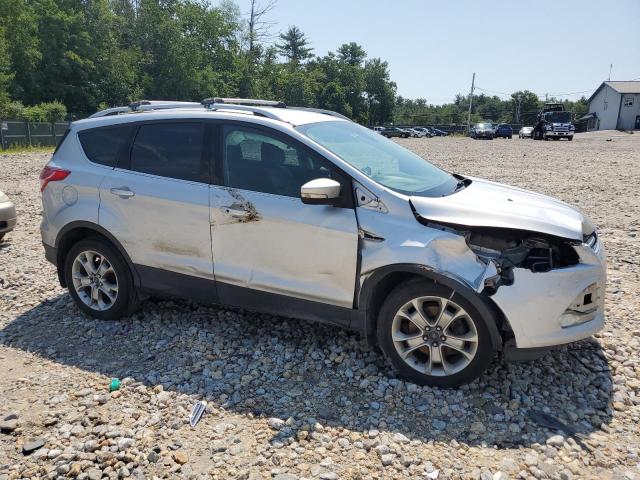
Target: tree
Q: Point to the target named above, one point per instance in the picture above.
(352, 53)
(525, 106)
(294, 46)
(380, 91)
(5, 68)
(258, 26)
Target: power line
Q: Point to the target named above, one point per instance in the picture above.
(539, 95)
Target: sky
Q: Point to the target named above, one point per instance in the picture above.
(433, 48)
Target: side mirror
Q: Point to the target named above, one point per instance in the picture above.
(321, 191)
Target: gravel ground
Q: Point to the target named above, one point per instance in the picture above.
(289, 399)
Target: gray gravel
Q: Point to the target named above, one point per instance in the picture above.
(289, 399)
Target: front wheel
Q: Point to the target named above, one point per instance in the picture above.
(99, 279)
(570, 137)
(433, 336)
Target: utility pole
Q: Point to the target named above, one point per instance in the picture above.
(473, 81)
(610, 68)
(518, 99)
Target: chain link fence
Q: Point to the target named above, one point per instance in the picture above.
(32, 134)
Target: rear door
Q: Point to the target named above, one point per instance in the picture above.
(264, 238)
(156, 203)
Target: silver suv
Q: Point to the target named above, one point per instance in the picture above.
(305, 214)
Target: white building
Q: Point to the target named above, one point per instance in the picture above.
(614, 105)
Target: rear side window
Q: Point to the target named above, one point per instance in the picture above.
(103, 145)
(61, 141)
(171, 150)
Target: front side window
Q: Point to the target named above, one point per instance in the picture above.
(171, 150)
(103, 145)
(380, 159)
(258, 161)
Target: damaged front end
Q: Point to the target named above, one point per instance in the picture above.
(550, 289)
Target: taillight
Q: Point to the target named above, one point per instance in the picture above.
(52, 174)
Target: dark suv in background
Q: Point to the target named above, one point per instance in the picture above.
(482, 130)
(504, 130)
(395, 132)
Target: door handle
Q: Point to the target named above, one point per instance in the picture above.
(123, 192)
(235, 211)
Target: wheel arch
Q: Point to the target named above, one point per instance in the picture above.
(379, 283)
(73, 232)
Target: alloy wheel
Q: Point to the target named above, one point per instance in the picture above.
(94, 280)
(434, 336)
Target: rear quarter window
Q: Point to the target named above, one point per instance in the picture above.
(103, 145)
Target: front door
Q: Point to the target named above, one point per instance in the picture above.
(156, 203)
(264, 239)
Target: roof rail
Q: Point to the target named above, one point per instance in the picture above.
(248, 104)
(243, 101)
(144, 105)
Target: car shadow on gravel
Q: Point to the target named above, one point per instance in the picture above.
(275, 367)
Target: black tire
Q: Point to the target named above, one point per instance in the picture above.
(570, 137)
(413, 289)
(2, 236)
(126, 299)
(510, 136)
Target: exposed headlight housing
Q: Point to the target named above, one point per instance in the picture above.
(548, 127)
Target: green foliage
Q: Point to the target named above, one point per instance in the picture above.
(85, 55)
(294, 45)
(92, 54)
(521, 108)
(49, 112)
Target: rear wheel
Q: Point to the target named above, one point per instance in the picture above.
(99, 279)
(433, 336)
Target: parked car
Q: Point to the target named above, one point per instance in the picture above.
(305, 214)
(378, 129)
(525, 132)
(437, 133)
(482, 130)
(503, 130)
(390, 132)
(7, 215)
(417, 132)
(424, 130)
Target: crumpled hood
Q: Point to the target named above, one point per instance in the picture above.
(490, 204)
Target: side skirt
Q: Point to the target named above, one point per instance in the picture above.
(166, 283)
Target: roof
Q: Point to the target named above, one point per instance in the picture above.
(630, 86)
(289, 116)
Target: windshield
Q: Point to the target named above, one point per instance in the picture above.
(483, 125)
(559, 117)
(381, 159)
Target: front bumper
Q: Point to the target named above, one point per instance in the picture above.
(556, 307)
(8, 217)
(551, 133)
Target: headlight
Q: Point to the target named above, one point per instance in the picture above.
(571, 127)
(548, 127)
